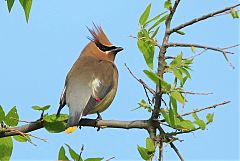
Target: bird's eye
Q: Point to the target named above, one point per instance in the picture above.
(104, 48)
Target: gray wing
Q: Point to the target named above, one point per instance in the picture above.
(101, 85)
(90, 79)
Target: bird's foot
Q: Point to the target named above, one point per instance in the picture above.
(3, 125)
(99, 117)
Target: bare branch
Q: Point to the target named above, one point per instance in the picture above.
(222, 50)
(205, 108)
(201, 18)
(140, 81)
(201, 109)
(225, 13)
(198, 93)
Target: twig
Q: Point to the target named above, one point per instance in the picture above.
(225, 13)
(173, 57)
(176, 151)
(45, 140)
(22, 120)
(149, 101)
(198, 54)
(201, 109)
(171, 144)
(195, 20)
(23, 135)
(205, 108)
(141, 81)
(201, 46)
(80, 154)
(110, 158)
(221, 50)
(198, 93)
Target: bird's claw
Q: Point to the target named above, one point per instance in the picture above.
(3, 125)
(99, 117)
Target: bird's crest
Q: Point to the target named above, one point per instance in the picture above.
(98, 36)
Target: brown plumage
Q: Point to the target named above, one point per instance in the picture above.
(91, 84)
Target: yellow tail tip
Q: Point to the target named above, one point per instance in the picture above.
(70, 129)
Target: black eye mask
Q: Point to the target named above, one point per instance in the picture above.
(104, 48)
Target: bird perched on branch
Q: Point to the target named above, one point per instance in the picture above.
(91, 84)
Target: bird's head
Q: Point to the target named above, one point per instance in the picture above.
(100, 46)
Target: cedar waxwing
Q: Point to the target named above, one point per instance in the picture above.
(91, 84)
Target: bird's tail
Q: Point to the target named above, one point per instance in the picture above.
(73, 121)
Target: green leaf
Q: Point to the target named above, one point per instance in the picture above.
(185, 72)
(44, 108)
(145, 15)
(62, 154)
(180, 32)
(167, 4)
(153, 76)
(12, 117)
(178, 97)
(26, 4)
(155, 32)
(55, 124)
(143, 104)
(73, 154)
(143, 152)
(2, 114)
(200, 123)
(186, 125)
(55, 127)
(172, 117)
(165, 115)
(194, 115)
(55, 118)
(93, 159)
(177, 61)
(150, 145)
(173, 104)
(156, 79)
(193, 49)
(234, 13)
(209, 117)
(20, 138)
(10, 4)
(188, 61)
(156, 17)
(6, 147)
(158, 22)
(178, 74)
(146, 47)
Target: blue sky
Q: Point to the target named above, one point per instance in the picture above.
(36, 57)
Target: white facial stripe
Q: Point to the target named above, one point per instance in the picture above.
(107, 52)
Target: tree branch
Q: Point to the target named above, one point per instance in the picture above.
(205, 108)
(201, 18)
(136, 124)
(222, 50)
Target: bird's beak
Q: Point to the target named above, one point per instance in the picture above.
(118, 49)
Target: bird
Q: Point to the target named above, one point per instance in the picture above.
(91, 84)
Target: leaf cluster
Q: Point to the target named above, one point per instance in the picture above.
(74, 155)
